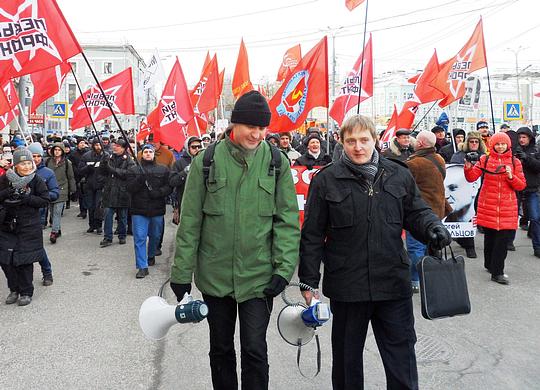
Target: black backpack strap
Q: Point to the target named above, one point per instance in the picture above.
(208, 160)
(274, 169)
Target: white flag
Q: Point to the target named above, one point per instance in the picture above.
(154, 72)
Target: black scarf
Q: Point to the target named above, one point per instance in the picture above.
(367, 170)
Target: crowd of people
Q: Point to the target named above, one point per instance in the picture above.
(239, 237)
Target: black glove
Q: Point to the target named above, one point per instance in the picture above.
(6, 193)
(180, 289)
(276, 286)
(521, 155)
(439, 237)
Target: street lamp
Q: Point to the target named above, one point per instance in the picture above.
(516, 51)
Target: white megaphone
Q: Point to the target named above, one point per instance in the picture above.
(156, 316)
(297, 322)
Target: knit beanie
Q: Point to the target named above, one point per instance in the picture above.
(251, 109)
(36, 148)
(22, 154)
(500, 137)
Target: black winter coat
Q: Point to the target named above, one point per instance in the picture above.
(145, 201)
(90, 175)
(447, 152)
(75, 157)
(115, 172)
(358, 236)
(307, 160)
(531, 167)
(178, 176)
(23, 245)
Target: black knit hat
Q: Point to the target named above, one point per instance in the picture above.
(120, 142)
(251, 109)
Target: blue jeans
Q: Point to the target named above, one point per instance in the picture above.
(56, 211)
(143, 228)
(416, 251)
(533, 208)
(43, 215)
(122, 222)
(46, 268)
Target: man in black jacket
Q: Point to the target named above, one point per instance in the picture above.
(355, 213)
(314, 156)
(115, 197)
(149, 187)
(180, 169)
(92, 185)
(529, 156)
(75, 158)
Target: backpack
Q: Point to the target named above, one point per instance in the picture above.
(274, 167)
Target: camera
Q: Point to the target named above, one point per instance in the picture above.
(472, 157)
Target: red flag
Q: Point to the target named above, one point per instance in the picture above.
(144, 130)
(424, 92)
(537, 94)
(9, 108)
(290, 59)
(453, 73)
(221, 78)
(174, 109)
(262, 91)
(205, 95)
(407, 114)
(35, 36)
(206, 62)
(305, 88)
(47, 83)
(348, 93)
(241, 82)
(391, 128)
(352, 4)
(119, 92)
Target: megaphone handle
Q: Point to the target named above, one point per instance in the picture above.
(299, 353)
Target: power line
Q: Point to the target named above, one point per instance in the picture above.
(202, 20)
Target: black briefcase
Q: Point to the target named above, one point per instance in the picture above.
(443, 286)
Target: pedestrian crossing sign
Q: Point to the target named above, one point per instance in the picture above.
(59, 110)
(512, 111)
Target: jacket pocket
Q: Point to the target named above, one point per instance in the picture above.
(340, 208)
(267, 202)
(214, 201)
(393, 203)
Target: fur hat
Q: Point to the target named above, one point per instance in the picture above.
(251, 109)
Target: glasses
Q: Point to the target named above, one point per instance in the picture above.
(195, 146)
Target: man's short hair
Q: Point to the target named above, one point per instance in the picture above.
(427, 138)
(359, 122)
(285, 134)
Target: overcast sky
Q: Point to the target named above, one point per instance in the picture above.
(405, 32)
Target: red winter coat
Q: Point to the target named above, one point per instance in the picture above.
(497, 203)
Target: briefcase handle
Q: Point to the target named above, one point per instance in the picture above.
(451, 252)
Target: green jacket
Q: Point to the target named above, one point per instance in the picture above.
(235, 234)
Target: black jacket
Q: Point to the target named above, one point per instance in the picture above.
(447, 152)
(75, 157)
(358, 236)
(178, 176)
(531, 162)
(90, 175)
(24, 244)
(115, 171)
(151, 200)
(307, 160)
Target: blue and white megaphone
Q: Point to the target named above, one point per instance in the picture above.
(156, 316)
(297, 322)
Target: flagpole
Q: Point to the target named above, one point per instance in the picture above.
(427, 112)
(490, 98)
(327, 131)
(86, 107)
(122, 131)
(362, 61)
(19, 125)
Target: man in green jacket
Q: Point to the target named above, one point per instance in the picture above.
(239, 236)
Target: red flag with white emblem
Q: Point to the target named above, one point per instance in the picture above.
(290, 59)
(305, 88)
(348, 93)
(174, 109)
(9, 104)
(34, 36)
(454, 73)
(119, 92)
(47, 83)
(391, 128)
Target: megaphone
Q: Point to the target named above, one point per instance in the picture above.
(297, 322)
(156, 316)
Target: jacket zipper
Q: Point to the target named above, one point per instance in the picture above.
(370, 197)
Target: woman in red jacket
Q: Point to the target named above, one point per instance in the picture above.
(497, 204)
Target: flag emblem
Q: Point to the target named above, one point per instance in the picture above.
(293, 99)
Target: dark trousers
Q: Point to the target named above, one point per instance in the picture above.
(254, 315)
(393, 327)
(20, 278)
(466, 242)
(495, 249)
(95, 209)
